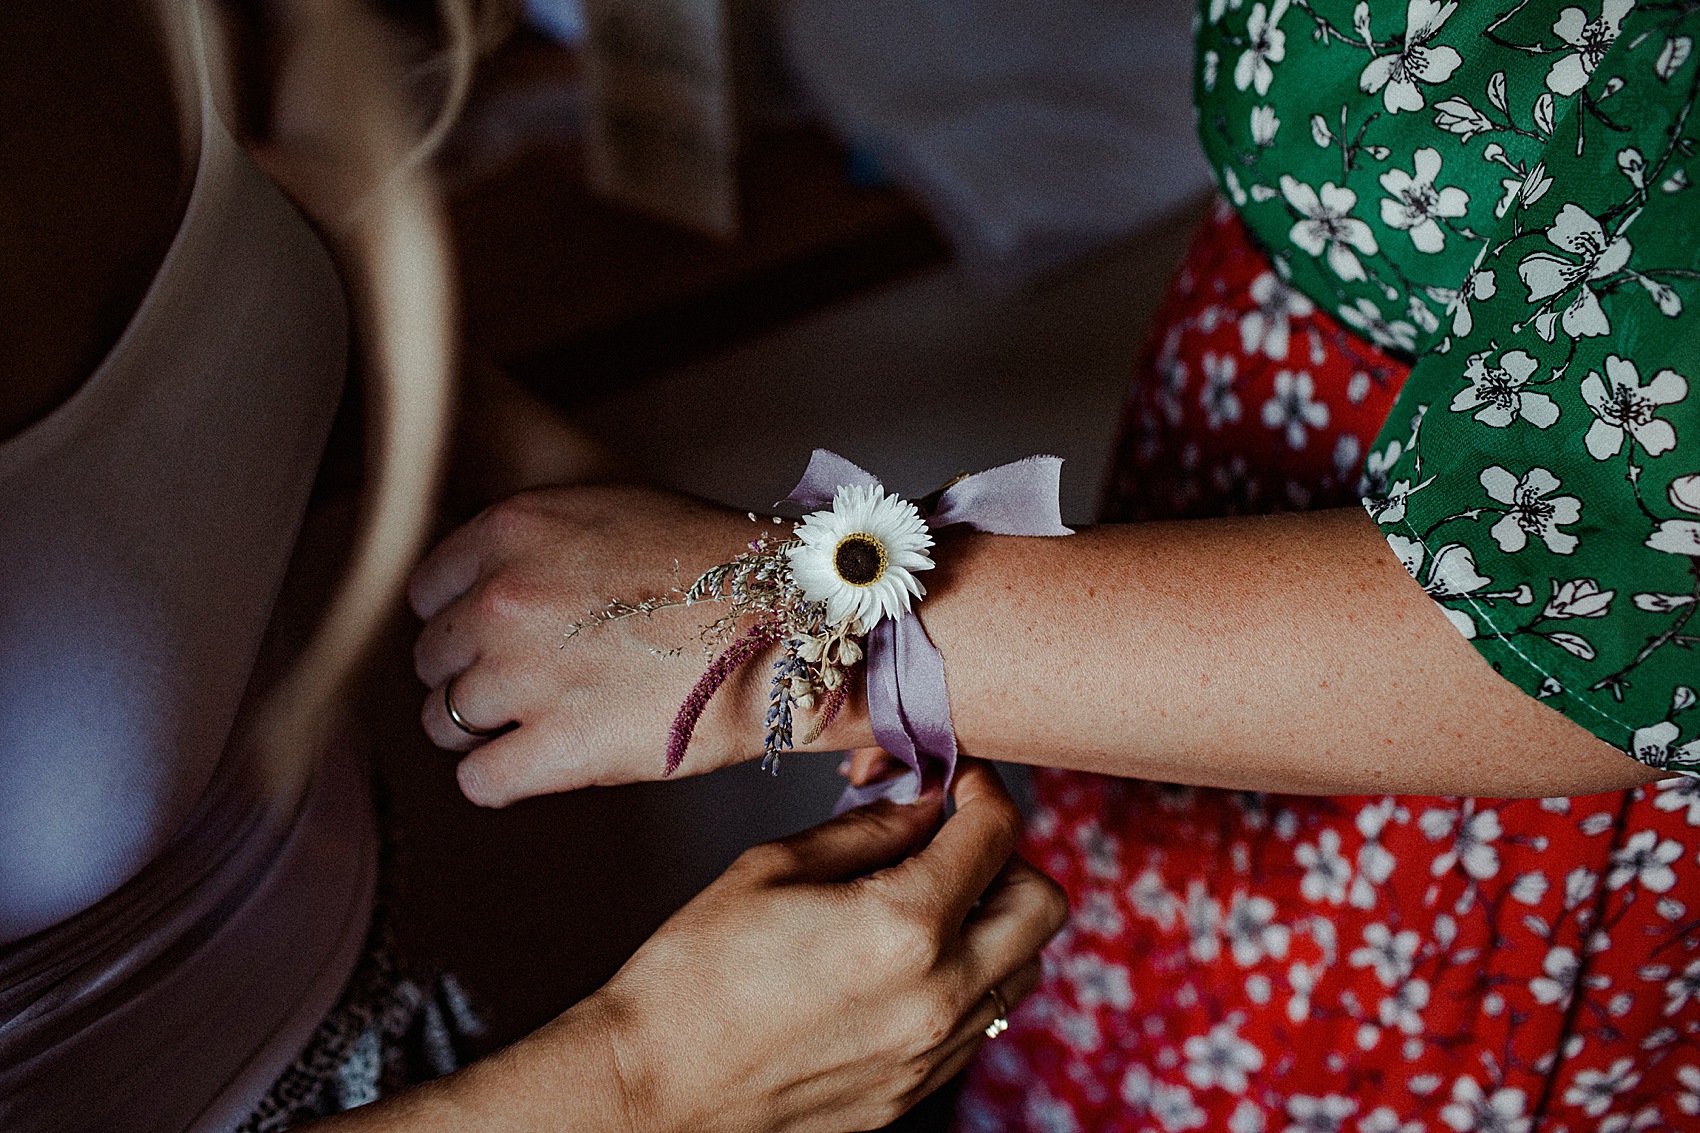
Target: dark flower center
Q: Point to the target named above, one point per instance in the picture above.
(859, 559)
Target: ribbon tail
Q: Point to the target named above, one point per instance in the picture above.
(909, 708)
(826, 473)
(1019, 498)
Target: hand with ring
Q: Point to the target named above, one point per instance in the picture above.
(537, 712)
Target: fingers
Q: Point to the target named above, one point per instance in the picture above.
(965, 1042)
(970, 850)
(503, 771)
(447, 572)
(1021, 911)
(477, 704)
(871, 765)
(859, 841)
(446, 644)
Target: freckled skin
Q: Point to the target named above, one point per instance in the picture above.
(1293, 648)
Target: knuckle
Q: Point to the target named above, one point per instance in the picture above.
(927, 1021)
(770, 859)
(901, 940)
(502, 597)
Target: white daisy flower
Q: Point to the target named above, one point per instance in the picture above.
(860, 557)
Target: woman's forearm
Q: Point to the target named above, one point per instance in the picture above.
(565, 1076)
(1285, 653)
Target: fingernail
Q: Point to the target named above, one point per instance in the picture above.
(844, 767)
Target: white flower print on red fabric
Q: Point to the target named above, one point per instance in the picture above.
(1591, 39)
(1391, 954)
(1646, 859)
(1252, 931)
(1472, 1110)
(1098, 983)
(1293, 408)
(1548, 276)
(1326, 870)
(1267, 328)
(1415, 205)
(1217, 398)
(1384, 1119)
(1473, 834)
(1681, 793)
(1530, 511)
(1221, 1059)
(1622, 404)
(1560, 970)
(1683, 988)
(1327, 227)
(1403, 1009)
(1688, 1101)
(1499, 393)
(1398, 73)
(1595, 1090)
(1326, 1114)
(1266, 45)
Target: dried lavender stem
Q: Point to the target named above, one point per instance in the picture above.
(751, 643)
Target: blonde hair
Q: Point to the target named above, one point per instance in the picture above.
(343, 142)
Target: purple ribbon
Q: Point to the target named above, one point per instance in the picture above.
(908, 703)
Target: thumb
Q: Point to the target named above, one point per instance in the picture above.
(863, 840)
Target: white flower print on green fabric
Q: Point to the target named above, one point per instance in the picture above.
(1415, 61)
(1366, 317)
(1266, 44)
(1548, 276)
(1625, 405)
(1499, 393)
(1523, 190)
(1531, 509)
(1548, 305)
(1416, 205)
(1591, 40)
(1327, 227)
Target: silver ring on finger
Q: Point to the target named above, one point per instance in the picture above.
(459, 721)
(1000, 1024)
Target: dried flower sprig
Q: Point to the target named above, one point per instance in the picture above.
(817, 591)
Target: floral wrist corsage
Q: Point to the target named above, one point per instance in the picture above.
(839, 591)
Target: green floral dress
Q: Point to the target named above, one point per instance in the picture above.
(1500, 197)
(1504, 193)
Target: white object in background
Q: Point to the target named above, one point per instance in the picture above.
(662, 137)
(1033, 133)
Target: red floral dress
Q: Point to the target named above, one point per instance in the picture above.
(1283, 964)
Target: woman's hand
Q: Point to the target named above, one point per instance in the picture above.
(497, 597)
(818, 986)
(824, 983)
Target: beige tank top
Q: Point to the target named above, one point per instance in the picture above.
(170, 934)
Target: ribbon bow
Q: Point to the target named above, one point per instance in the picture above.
(908, 704)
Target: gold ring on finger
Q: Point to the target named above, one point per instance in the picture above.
(1000, 1024)
(459, 721)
